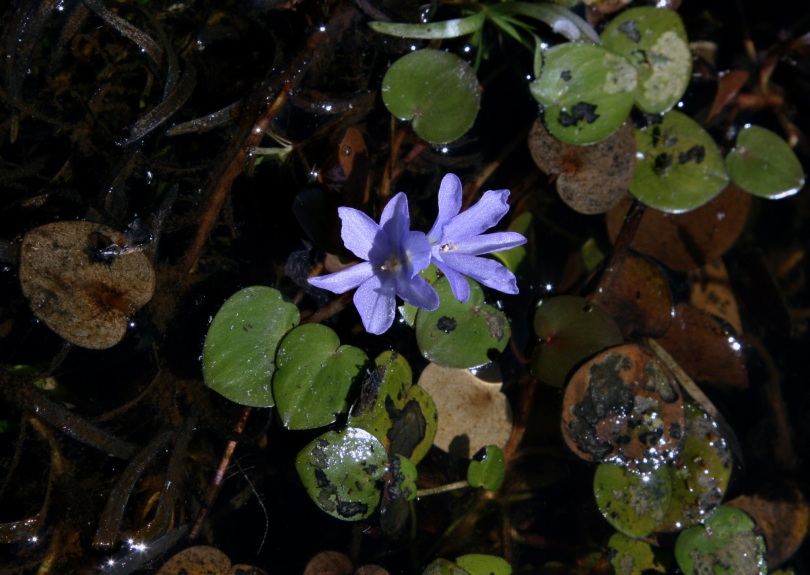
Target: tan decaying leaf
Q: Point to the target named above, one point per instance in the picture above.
(83, 281)
(472, 413)
(199, 560)
(590, 179)
(329, 563)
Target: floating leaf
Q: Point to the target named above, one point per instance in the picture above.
(402, 484)
(639, 298)
(781, 513)
(590, 179)
(700, 474)
(341, 470)
(654, 41)
(480, 564)
(763, 164)
(623, 406)
(475, 413)
(587, 92)
(314, 375)
(705, 348)
(487, 469)
(432, 30)
(687, 241)
(81, 280)
(444, 567)
(725, 544)
(329, 563)
(239, 356)
(437, 91)
(401, 415)
(461, 334)
(634, 502)
(678, 165)
(569, 331)
(197, 560)
(710, 290)
(633, 557)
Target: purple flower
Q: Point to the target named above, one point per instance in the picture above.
(458, 239)
(394, 257)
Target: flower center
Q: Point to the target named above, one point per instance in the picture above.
(392, 264)
(448, 248)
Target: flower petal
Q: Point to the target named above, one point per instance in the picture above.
(481, 216)
(418, 292)
(449, 205)
(458, 283)
(362, 235)
(484, 270)
(375, 301)
(488, 243)
(415, 253)
(344, 280)
(395, 220)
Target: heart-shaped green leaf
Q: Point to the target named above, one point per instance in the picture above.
(763, 164)
(437, 91)
(314, 375)
(461, 334)
(480, 564)
(487, 469)
(587, 92)
(655, 42)
(678, 165)
(401, 415)
(239, 356)
(633, 502)
(341, 471)
(725, 544)
(569, 330)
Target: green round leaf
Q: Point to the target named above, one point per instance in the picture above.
(402, 485)
(587, 92)
(633, 502)
(763, 164)
(314, 375)
(239, 356)
(479, 564)
(487, 469)
(701, 472)
(632, 556)
(459, 334)
(401, 415)
(444, 567)
(724, 545)
(437, 91)
(655, 42)
(569, 330)
(341, 471)
(678, 165)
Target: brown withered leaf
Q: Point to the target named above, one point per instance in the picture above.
(687, 241)
(706, 349)
(710, 290)
(640, 299)
(84, 281)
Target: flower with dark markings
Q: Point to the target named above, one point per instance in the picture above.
(457, 239)
(394, 255)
